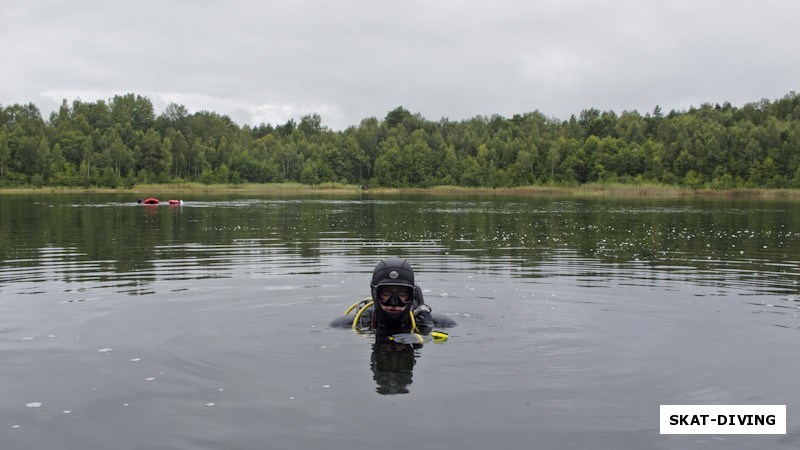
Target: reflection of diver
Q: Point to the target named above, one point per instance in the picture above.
(392, 365)
(396, 306)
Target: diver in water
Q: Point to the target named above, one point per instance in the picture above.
(401, 322)
(396, 305)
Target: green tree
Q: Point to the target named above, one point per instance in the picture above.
(310, 125)
(396, 117)
(28, 155)
(470, 173)
(5, 151)
(524, 169)
(359, 163)
(389, 167)
(133, 110)
(310, 174)
(152, 160)
(631, 127)
(554, 160)
(369, 135)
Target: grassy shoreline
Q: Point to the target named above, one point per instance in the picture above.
(594, 190)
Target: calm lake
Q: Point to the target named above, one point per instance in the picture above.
(205, 326)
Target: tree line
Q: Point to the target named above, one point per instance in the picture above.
(122, 142)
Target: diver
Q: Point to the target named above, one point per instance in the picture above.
(396, 305)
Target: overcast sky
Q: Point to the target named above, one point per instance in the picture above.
(269, 61)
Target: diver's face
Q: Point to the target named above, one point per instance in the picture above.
(394, 299)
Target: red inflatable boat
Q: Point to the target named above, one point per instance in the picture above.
(154, 201)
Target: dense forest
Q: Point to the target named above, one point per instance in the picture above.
(122, 142)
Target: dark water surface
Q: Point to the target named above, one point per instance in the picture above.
(205, 326)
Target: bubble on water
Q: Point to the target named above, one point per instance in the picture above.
(135, 359)
(104, 350)
(326, 386)
(34, 404)
(291, 398)
(210, 404)
(126, 404)
(14, 427)
(29, 338)
(149, 379)
(66, 411)
(51, 336)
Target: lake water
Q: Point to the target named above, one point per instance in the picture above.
(206, 326)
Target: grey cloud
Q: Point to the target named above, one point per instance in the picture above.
(347, 60)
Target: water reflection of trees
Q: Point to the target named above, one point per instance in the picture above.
(134, 241)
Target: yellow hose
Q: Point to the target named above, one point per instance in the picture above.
(414, 328)
(438, 336)
(358, 315)
(354, 306)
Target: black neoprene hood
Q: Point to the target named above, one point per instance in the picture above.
(393, 271)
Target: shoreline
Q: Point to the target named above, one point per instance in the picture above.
(595, 190)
